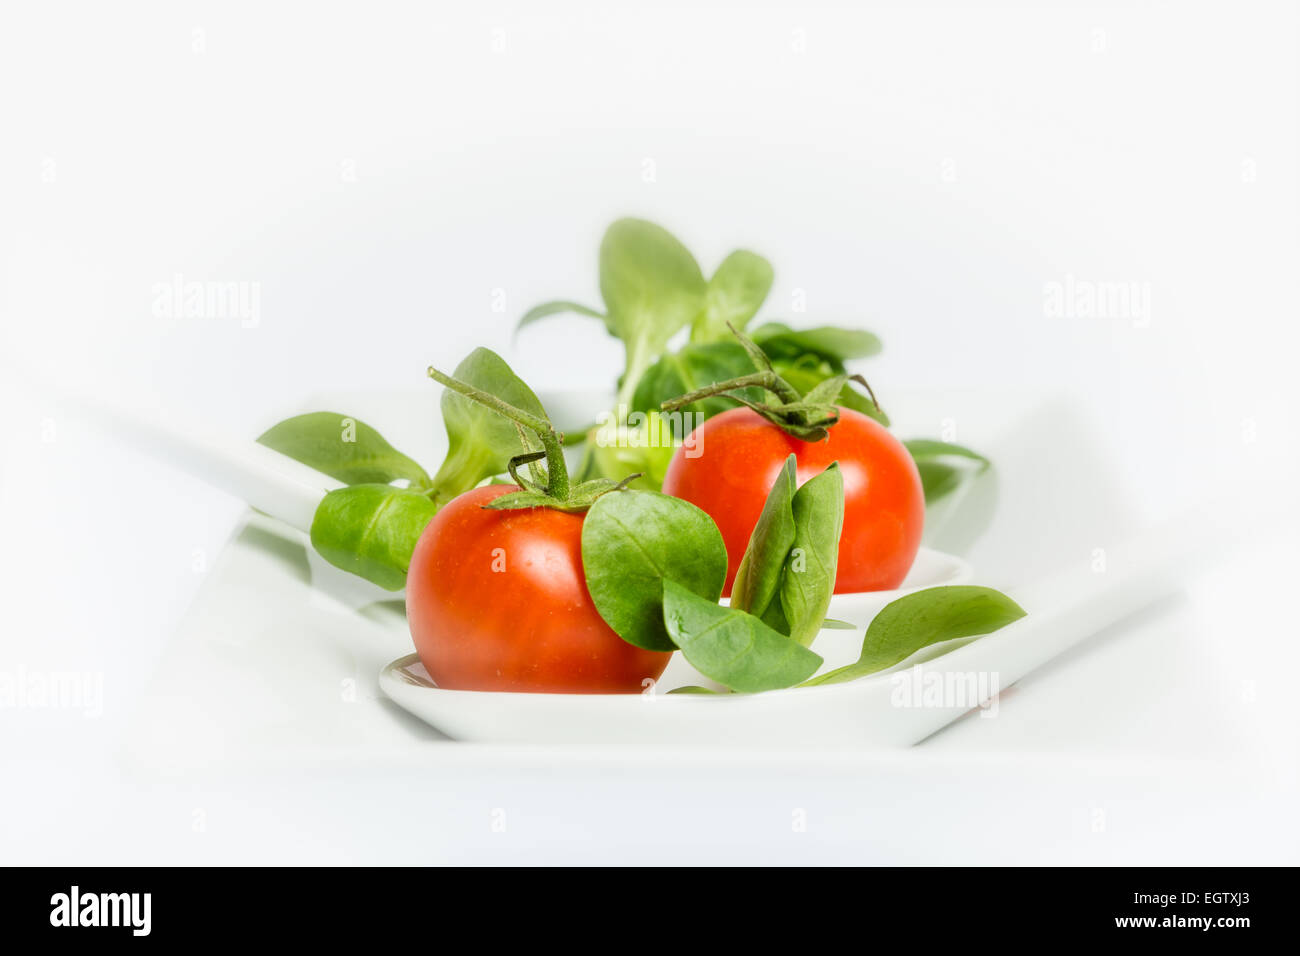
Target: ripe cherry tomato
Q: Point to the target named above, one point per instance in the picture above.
(740, 454)
(497, 600)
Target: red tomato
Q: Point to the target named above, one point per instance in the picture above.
(740, 456)
(497, 600)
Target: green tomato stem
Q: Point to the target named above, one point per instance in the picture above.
(804, 415)
(513, 467)
(766, 379)
(557, 472)
(861, 380)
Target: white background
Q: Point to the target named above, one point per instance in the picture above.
(389, 175)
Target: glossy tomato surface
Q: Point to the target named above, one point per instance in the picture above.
(740, 454)
(497, 600)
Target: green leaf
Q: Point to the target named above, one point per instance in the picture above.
(645, 449)
(939, 480)
(787, 575)
(933, 448)
(539, 312)
(731, 647)
(923, 618)
(944, 467)
(481, 442)
(735, 294)
(809, 578)
(835, 345)
(652, 287)
(634, 541)
(695, 689)
(343, 448)
(758, 579)
(690, 368)
(371, 530)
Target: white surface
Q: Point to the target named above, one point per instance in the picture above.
(402, 183)
(270, 676)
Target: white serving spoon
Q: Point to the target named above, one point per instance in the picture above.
(270, 482)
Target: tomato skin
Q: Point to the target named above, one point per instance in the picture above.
(740, 455)
(497, 600)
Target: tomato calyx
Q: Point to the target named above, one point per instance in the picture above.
(808, 415)
(542, 487)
